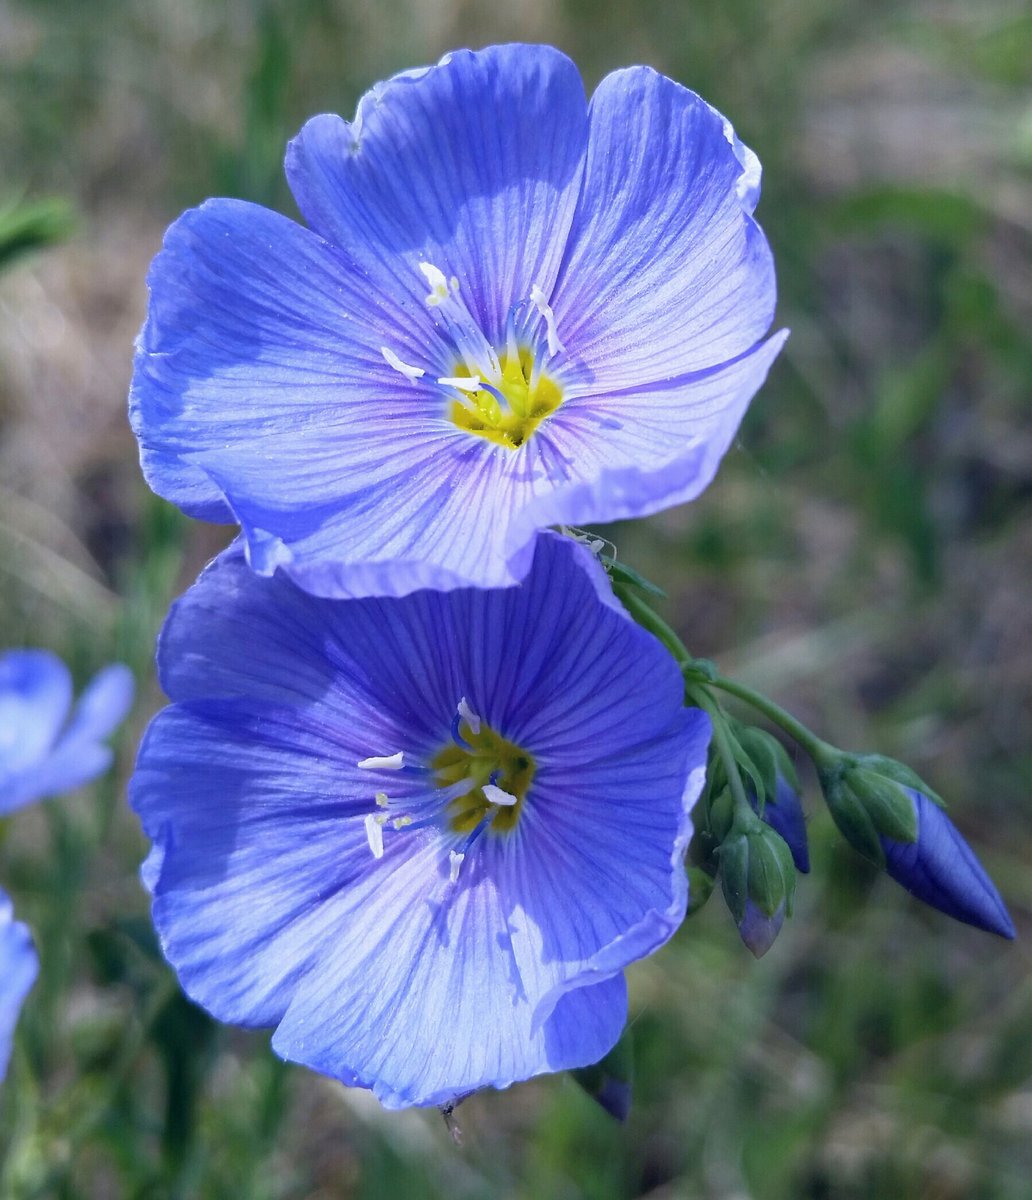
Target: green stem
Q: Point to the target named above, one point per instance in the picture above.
(722, 741)
(642, 612)
(820, 751)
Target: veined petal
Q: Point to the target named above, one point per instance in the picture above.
(472, 166)
(102, 707)
(263, 340)
(637, 454)
(18, 969)
(384, 964)
(665, 272)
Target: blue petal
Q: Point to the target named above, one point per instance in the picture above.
(666, 272)
(757, 930)
(472, 165)
(35, 695)
(783, 812)
(941, 869)
(18, 969)
(379, 971)
(635, 454)
(102, 707)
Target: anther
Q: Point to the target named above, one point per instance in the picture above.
(402, 368)
(455, 861)
(469, 716)
(537, 298)
(439, 289)
(465, 383)
(382, 762)
(381, 800)
(374, 835)
(497, 795)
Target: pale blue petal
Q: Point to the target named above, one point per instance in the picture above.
(35, 695)
(472, 165)
(18, 969)
(666, 273)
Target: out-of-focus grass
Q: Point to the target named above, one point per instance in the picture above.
(862, 554)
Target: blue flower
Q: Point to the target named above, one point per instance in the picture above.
(783, 812)
(422, 836)
(43, 749)
(941, 869)
(18, 966)
(510, 310)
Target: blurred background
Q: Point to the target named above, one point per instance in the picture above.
(863, 557)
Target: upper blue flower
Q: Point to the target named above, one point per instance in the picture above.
(510, 310)
(43, 749)
(18, 966)
(941, 869)
(423, 836)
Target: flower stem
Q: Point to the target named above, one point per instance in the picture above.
(820, 751)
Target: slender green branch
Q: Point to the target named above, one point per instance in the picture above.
(643, 613)
(722, 741)
(820, 751)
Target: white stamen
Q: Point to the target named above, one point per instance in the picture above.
(383, 762)
(465, 383)
(497, 795)
(381, 800)
(537, 298)
(455, 860)
(596, 545)
(374, 835)
(469, 716)
(438, 284)
(401, 367)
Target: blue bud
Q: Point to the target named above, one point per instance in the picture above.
(757, 930)
(783, 812)
(941, 869)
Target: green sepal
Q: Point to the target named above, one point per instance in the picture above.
(620, 573)
(734, 874)
(700, 888)
(721, 815)
(610, 1082)
(890, 808)
(771, 872)
(901, 773)
(849, 814)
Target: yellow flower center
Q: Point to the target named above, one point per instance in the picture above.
(510, 412)
(492, 760)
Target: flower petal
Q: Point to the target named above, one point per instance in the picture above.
(472, 166)
(35, 695)
(18, 969)
(666, 272)
(102, 707)
(382, 969)
(637, 454)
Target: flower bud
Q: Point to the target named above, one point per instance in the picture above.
(940, 868)
(610, 1082)
(868, 805)
(758, 880)
(783, 812)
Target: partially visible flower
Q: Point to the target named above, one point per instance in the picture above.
(421, 836)
(18, 967)
(758, 881)
(783, 812)
(510, 310)
(46, 746)
(941, 869)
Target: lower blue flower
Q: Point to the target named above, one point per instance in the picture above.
(18, 967)
(46, 745)
(422, 836)
(941, 869)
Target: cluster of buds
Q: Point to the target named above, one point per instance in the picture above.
(887, 813)
(883, 809)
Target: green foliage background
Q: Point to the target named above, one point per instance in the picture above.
(863, 556)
